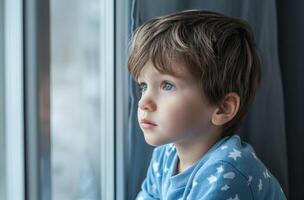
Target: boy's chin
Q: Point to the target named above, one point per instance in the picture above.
(154, 141)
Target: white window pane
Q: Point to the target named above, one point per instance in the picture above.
(77, 98)
(11, 101)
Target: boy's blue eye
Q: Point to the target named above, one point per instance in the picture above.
(142, 87)
(167, 86)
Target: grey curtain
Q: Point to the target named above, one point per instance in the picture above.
(271, 116)
(291, 56)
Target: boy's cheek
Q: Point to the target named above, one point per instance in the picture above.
(175, 121)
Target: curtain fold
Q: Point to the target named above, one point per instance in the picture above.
(264, 126)
(291, 48)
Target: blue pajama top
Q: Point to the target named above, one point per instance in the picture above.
(230, 170)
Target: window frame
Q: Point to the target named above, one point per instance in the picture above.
(122, 34)
(25, 99)
(37, 100)
(12, 105)
(107, 77)
(2, 117)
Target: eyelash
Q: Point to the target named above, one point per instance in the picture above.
(164, 83)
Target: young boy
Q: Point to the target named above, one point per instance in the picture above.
(198, 72)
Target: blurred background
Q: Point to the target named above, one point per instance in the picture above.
(68, 126)
(75, 98)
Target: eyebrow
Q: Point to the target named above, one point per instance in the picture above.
(179, 79)
(175, 75)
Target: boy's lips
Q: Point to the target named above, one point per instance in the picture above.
(145, 123)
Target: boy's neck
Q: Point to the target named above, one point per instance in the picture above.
(190, 152)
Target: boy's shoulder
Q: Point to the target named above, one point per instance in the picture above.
(230, 150)
(236, 153)
(231, 165)
(234, 162)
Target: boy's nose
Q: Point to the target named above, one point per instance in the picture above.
(147, 104)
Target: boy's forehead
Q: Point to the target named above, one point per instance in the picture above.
(177, 70)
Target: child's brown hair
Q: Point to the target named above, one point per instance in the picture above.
(218, 50)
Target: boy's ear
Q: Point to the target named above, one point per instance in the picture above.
(226, 110)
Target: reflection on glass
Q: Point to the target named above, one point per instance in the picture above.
(75, 99)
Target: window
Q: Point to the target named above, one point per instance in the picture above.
(2, 116)
(11, 101)
(57, 100)
(82, 99)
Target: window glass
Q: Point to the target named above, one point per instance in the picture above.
(76, 98)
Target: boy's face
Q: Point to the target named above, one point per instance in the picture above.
(175, 105)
